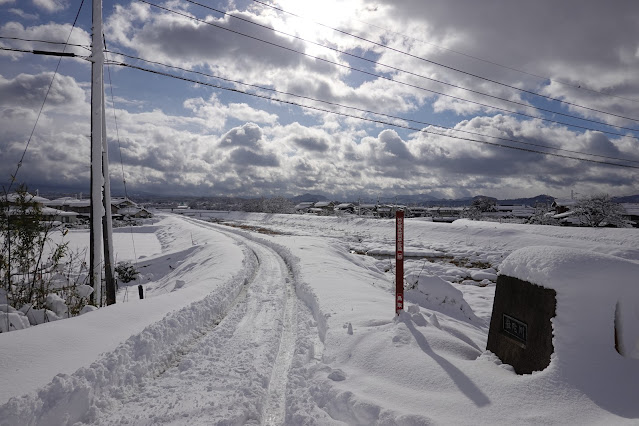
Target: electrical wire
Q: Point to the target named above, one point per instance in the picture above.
(46, 41)
(190, 80)
(365, 110)
(117, 132)
(580, 87)
(404, 83)
(46, 52)
(14, 175)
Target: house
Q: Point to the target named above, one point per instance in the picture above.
(326, 207)
(303, 207)
(388, 210)
(71, 204)
(83, 207)
(632, 211)
(134, 212)
(367, 210)
(345, 208)
(512, 211)
(14, 197)
(49, 214)
(55, 215)
(563, 205)
(419, 211)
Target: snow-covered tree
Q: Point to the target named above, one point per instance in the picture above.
(126, 272)
(600, 210)
(543, 216)
(41, 279)
(478, 207)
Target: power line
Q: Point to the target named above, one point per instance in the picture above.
(45, 41)
(190, 80)
(44, 52)
(404, 83)
(429, 78)
(13, 176)
(117, 132)
(367, 111)
(454, 51)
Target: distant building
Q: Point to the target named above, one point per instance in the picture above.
(632, 211)
(120, 207)
(304, 207)
(345, 208)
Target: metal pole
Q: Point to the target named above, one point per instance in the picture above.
(97, 95)
(399, 261)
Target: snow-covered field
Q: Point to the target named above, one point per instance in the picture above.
(289, 319)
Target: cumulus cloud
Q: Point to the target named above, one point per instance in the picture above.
(594, 49)
(29, 91)
(249, 135)
(51, 5)
(21, 13)
(228, 144)
(49, 32)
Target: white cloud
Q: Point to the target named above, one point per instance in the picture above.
(51, 5)
(225, 144)
(21, 13)
(50, 32)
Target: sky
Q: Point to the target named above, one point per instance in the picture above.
(458, 84)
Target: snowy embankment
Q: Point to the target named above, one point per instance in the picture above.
(352, 361)
(30, 358)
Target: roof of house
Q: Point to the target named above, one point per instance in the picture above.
(631, 208)
(48, 211)
(321, 204)
(564, 215)
(304, 205)
(30, 198)
(565, 202)
(131, 210)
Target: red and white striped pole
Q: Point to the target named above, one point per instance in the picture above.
(399, 261)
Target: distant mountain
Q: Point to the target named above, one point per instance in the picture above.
(627, 199)
(539, 199)
(305, 198)
(426, 200)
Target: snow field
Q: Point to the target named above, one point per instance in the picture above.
(376, 375)
(342, 356)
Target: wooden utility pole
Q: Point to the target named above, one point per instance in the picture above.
(100, 187)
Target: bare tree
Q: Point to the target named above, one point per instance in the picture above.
(600, 210)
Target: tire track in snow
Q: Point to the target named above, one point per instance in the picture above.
(274, 412)
(274, 406)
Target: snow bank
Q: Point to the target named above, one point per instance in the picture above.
(432, 292)
(75, 398)
(596, 293)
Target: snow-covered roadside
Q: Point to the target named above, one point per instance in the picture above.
(429, 365)
(30, 358)
(354, 362)
(475, 240)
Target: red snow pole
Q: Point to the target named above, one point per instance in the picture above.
(399, 261)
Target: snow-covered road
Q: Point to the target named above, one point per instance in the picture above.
(236, 371)
(222, 360)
